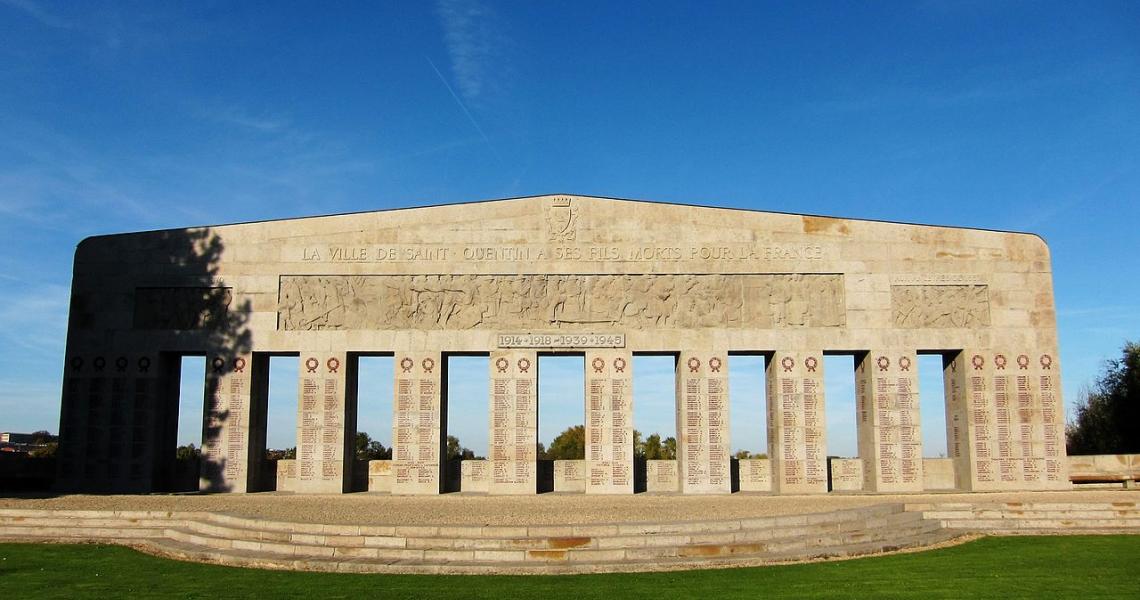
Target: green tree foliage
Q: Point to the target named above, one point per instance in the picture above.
(370, 449)
(286, 454)
(653, 448)
(1108, 416)
(456, 451)
(187, 452)
(747, 454)
(569, 445)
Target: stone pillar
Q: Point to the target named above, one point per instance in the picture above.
(417, 453)
(890, 435)
(796, 425)
(322, 417)
(1011, 416)
(227, 453)
(514, 422)
(702, 423)
(112, 410)
(609, 422)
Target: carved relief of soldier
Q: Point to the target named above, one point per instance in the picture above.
(940, 305)
(631, 301)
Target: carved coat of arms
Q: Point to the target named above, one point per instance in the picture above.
(561, 220)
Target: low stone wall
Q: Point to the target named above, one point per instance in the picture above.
(380, 476)
(286, 475)
(570, 476)
(938, 474)
(474, 476)
(846, 474)
(661, 476)
(754, 475)
(1105, 468)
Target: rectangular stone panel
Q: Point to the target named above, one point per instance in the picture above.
(226, 451)
(703, 422)
(514, 423)
(846, 474)
(380, 476)
(569, 476)
(888, 424)
(181, 307)
(475, 476)
(1013, 421)
(609, 422)
(643, 301)
(321, 423)
(944, 306)
(661, 476)
(755, 474)
(416, 422)
(796, 424)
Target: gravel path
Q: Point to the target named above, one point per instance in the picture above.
(552, 509)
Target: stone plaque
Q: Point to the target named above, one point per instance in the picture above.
(702, 422)
(796, 425)
(661, 476)
(647, 301)
(321, 422)
(755, 475)
(225, 441)
(889, 428)
(416, 422)
(514, 422)
(609, 422)
(561, 340)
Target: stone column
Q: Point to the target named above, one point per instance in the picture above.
(226, 449)
(322, 440)
(1009, 420)
(796, 425)
(702, 422)
(514, 422)
(110, 417)
(416, 443)
(890, 437)
(609, 422)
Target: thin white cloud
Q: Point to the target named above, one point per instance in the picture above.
(471, 33)
(38, 13)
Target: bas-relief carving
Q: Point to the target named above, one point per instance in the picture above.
(338, 302)
(916, 306)
(181, 307)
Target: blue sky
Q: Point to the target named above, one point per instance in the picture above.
(122, 116)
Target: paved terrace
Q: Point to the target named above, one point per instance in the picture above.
(546, 509)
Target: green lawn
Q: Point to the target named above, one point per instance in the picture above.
(1025, 567)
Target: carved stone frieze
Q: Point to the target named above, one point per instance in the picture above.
(457, 302)
(181, 307)
(915, 306)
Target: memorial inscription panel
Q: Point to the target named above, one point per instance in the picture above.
(416, 423)
(890, 438)
(609, 422)
(514, 422)
(796, 426)
(225, 442)
(702, 422)
(321, 422)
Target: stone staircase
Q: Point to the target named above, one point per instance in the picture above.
(1017, 518)
(612, 547)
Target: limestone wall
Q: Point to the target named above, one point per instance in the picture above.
(606, 279)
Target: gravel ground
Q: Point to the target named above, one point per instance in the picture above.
(546, 509)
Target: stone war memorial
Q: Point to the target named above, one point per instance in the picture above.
(600, 278)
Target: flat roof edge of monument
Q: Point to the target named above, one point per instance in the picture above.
(528, 197)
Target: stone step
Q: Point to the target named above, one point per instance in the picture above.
(609, 563)
(639, 548)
